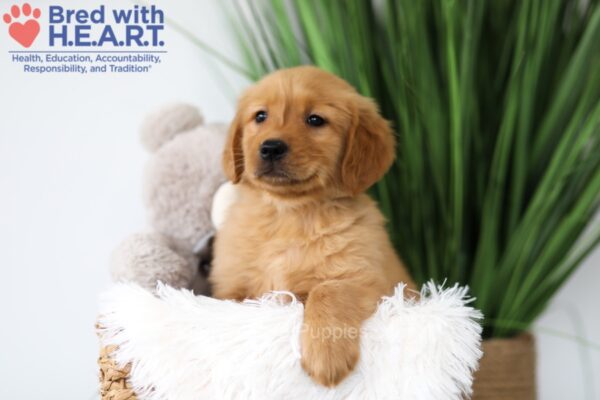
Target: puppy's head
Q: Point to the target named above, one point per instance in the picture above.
(303, 131)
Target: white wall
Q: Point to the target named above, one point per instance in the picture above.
(70, 173)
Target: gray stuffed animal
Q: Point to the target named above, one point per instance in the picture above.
(180, 181)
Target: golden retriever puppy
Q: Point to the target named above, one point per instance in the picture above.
(304, 146)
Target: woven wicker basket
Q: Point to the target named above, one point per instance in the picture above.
(114, 383)
(506, 372)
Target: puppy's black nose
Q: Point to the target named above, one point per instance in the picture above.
(273, 150)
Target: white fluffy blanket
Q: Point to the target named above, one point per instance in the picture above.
(186, 347)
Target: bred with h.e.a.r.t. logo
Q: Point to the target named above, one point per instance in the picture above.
(99, 39)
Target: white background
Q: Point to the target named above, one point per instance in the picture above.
(70, 181)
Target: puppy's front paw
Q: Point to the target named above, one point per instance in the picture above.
(329, 355)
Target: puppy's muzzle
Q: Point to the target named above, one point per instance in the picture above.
(273, 150)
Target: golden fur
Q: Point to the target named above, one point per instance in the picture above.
(309, 228)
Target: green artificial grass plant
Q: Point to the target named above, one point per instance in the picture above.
(497, 109)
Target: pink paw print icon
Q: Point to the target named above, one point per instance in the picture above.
(23, 32)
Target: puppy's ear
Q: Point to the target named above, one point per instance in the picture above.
(233, 157)
(370, 147)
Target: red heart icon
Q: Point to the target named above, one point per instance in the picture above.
(24, 33)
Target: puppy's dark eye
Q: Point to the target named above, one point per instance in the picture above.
(315, 120)
(260, 117)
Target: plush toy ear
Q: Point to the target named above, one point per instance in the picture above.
(370, 148)
(233, 156)
(166, 123)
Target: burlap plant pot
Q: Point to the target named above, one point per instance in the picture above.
(506, 370)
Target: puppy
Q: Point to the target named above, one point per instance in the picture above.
(304, 146)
